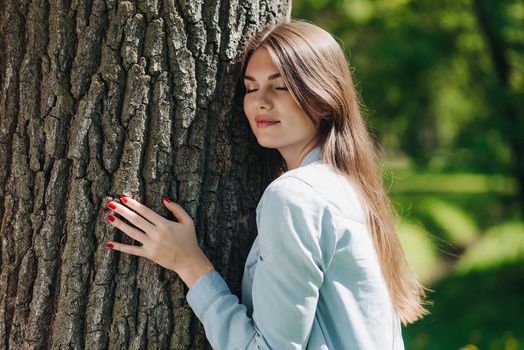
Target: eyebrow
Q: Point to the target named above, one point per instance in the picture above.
(271, 77)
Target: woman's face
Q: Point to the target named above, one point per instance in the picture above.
(275, 118)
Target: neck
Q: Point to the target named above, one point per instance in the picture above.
(294, 155)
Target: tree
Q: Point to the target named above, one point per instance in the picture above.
(100, 99)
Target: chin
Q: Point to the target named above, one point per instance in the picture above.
(267, 143)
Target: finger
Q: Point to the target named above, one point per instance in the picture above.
(132, 232)
(177, 210)
(125, 248)
(141, 209)
(131, 216)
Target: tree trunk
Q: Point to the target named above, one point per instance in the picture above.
(100, 99)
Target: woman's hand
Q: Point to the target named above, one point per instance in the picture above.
(170, 244)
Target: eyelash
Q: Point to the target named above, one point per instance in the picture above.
(278, 88)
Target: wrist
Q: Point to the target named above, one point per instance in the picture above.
(194, 271)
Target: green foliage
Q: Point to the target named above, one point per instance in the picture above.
(456, 225)
(500, 245)
(419, 248)
(426, 74)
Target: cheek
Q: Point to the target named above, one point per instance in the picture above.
(247, 111)
(307, 127)
(302, 122)
(246, 105)
(311, 129)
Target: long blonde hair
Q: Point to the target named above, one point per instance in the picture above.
(316, 72)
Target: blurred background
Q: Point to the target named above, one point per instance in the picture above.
(442, 84)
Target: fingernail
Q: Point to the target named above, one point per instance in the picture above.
(123, 200)
(109, 245)
(111, 205)
(167, 200)
(110, 218)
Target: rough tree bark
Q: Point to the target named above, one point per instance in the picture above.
(102, 98)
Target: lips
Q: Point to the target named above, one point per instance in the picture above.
(263, 121)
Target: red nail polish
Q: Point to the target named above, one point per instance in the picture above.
(123, 200)
(110, 218)
(111, 205)
(167, 200)
(109, 245)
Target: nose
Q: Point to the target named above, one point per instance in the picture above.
(263, 101)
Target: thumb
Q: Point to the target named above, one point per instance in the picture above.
(177, 210)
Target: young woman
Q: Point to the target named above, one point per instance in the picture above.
(326, 270)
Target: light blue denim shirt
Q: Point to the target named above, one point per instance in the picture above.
(312, 279)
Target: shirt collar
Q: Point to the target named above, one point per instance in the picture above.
(313, 155)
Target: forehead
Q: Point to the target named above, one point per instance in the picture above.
(261, 63)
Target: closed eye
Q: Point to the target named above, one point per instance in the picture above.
(278, 88)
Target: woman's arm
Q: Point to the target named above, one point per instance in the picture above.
(294, 253)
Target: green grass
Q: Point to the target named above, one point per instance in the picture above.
(405, 181)
(481, 308)
(480, 304)
(464, 237)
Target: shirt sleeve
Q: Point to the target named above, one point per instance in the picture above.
(295, 251)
